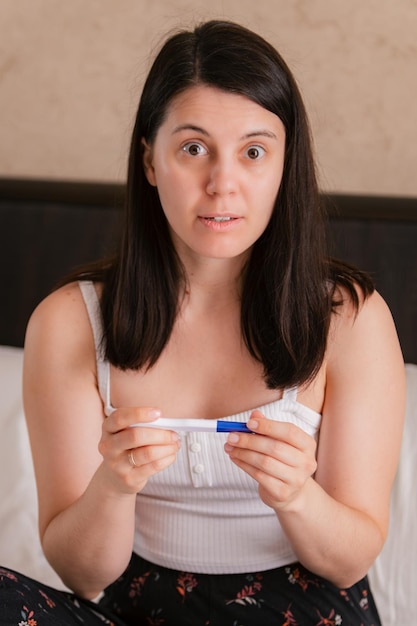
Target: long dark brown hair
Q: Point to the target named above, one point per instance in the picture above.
(289, 283)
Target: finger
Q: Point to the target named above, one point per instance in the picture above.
(262, 477)
(133, 476)
(115, 444)
(274, 492)
(284, 431)
(278, 437)
(139, 437)
(124, 417)
(278, 483)
(285, 452)
(264, 451)
(151, 458)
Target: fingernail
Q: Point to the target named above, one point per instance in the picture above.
(233, 438)
(253, 424)
(154, 413)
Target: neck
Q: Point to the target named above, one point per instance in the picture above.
(214, 282)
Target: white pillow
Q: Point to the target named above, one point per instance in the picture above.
(393, 577)
(20, 547)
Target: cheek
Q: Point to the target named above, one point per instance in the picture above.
(275, 186)
(172, 192)
(167, 174)
(178, 189)
(268, 193)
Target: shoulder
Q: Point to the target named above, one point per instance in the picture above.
(58, 301)
(63, 305)
(363, 345)
(371, 317)
(60, 323)
(59, 356)
(60, 306)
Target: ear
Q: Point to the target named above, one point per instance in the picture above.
(148, 163)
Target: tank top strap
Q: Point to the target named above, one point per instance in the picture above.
(92, 304)
(290, 394)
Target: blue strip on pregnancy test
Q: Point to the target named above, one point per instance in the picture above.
(224, 426)
(196, 425)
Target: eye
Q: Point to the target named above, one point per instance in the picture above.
(255, 152)
(194, 149)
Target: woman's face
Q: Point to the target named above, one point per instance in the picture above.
(217, 162)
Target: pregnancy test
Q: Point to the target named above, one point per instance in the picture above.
(196, 425)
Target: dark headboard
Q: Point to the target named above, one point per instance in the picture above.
(49, 227)
(379, 235)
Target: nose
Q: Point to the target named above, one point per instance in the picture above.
(223, 177)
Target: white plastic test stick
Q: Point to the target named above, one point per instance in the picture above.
(195, 425)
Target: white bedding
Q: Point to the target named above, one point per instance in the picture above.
(393, 577)
(19, 542)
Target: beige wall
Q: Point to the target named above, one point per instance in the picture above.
(71, 73)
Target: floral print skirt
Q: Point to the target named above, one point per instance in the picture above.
(151, 595)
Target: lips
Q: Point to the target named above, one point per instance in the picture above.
(220, 219)
(220, 223)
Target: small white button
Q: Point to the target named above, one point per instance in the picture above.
(198, 469)
(195, 447)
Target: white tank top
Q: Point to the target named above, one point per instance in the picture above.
(203, 514)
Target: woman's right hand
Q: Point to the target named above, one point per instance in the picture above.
(132, 455)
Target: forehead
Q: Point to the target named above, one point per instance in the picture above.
(211, 108)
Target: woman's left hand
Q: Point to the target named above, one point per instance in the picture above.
(281, 457)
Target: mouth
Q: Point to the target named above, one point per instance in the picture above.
(220, 219)
(227, 217)
(220, 223)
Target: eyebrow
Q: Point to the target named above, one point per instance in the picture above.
(261, 132)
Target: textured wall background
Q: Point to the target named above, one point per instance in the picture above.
(71, 74)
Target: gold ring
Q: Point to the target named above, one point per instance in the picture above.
(131, 459)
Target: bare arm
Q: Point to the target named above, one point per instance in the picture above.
(337, 521)
(86, 485)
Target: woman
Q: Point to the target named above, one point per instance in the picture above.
(220, 302)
